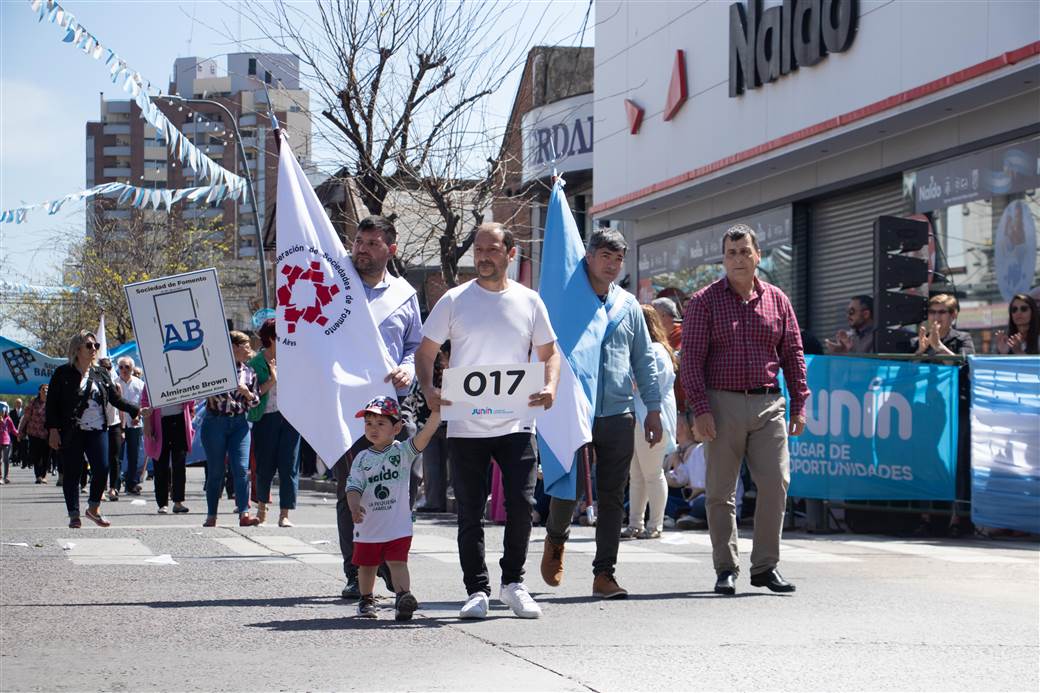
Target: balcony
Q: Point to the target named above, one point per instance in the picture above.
(116, 214)
(249, 142)
(213, 151)
(117, 129)
(116, 172)
(117, 106)
(247, 251)
(118, 150)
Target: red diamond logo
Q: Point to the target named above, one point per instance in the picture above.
(677, 87)
(635, 116)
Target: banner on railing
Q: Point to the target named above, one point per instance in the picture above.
(877, 430)
(1005, 442)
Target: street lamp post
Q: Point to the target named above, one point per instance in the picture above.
(249, 186)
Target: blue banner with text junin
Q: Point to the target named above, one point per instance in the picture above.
(877, 430)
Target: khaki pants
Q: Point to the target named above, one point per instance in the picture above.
(750, 427)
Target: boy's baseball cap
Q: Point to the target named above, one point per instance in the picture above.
(387, 406)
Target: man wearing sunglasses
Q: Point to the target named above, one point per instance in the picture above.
(859, 338)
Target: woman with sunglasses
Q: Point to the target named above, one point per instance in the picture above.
(77, 395)
(1023, 332)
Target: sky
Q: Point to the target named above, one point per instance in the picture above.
(49, 90)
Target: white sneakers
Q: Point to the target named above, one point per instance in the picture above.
(475, 607)
(516, 597)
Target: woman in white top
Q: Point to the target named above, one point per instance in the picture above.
(646, 479)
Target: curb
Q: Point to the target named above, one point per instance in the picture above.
(322, 485)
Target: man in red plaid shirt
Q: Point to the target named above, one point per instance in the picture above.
(738, 333)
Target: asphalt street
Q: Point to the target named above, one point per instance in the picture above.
(156, 602)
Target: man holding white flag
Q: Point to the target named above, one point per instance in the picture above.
(604, 337)
(332, 357)
(395, 309)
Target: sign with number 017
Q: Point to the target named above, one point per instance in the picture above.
(483, 392)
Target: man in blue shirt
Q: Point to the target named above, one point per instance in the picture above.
(626, 355)
(395, 308)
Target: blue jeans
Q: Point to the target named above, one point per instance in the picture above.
(132, 444)
(276, 447)
(75, 444)
(226, 436)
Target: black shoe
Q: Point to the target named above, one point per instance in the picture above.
(727, 582)
(351, 590)
(773, 580)
(404, 606)
(383, 571)
(366, 607)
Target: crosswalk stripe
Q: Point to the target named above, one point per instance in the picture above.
(118, 551)
(247, 550)
(953, 554)
(788, 552)
(688, 548)
(296, 549)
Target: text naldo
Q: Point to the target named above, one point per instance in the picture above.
(765, 45)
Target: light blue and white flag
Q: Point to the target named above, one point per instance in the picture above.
(580, 322)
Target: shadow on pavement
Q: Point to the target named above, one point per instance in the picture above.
(589, 599)
(386, 620)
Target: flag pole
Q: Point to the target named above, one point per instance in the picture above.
(590, 508)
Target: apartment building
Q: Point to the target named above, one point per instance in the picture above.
(123, 147)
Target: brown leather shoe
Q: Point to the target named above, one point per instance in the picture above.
(605, 586)
(552, 563)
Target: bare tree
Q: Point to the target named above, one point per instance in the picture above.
(115, 253)
(401, 88)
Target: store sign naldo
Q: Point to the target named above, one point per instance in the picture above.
(765, 45)
(558, 136)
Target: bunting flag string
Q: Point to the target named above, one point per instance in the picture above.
(141, 198)
(121, 74)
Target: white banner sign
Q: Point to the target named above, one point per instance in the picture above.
(482, 392)
(182, 337)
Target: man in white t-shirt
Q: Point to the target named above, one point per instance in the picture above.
(132, 387)
(492, 320)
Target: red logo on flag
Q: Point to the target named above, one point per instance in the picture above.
(323, 293)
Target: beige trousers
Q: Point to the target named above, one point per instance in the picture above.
(646, 482)
(752, 428)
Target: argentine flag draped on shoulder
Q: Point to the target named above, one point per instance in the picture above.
(581, 321)
(331, 359)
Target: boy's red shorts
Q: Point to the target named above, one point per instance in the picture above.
(372, 554)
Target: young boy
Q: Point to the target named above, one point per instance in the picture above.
(377, 493)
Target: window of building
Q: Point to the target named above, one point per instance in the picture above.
(252, 67)
(984, 209)
(691, 260)
(267, 77)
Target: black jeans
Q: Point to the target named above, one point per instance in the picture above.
(40, 456)
(471, 462)
(174, 451)
(115, 455)
(435, 470)
(612, 439)
(77, 445)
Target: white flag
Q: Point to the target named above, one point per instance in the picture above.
(331, 358)
(102, 340)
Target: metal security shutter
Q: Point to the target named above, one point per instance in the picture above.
(841, 250)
